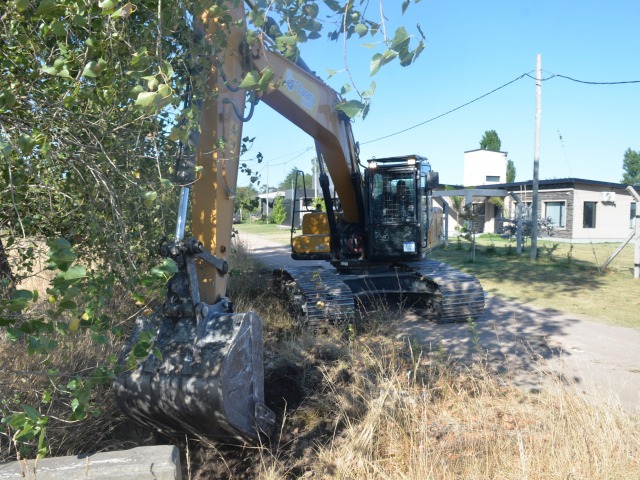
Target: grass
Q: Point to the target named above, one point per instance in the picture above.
(276, 233)
(566, 276)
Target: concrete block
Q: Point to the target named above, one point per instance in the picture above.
(161, 462)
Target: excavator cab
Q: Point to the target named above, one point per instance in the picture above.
(398, 213)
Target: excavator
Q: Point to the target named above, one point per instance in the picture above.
(204, 370)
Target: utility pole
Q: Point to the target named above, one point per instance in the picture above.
(536, 161)
(267, 192)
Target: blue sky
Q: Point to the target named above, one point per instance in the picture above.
(473, 48)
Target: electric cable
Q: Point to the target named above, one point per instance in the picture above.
(447, 112)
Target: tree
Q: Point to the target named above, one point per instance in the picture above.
(294, 178)
(631, 167)
(278, 214)
(511, 171)
(246, 199)
(490, 141)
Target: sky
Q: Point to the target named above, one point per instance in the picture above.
(472, 49)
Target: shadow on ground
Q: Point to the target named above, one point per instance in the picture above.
(516, 340)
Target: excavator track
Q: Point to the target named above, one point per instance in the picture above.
(461, 295)
(318, 295)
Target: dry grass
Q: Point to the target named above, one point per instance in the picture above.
(402, 415)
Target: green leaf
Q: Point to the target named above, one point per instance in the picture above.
(75, 273)
(58, 28)
(31, 412)
(330, 72)
(89, 70)
(22, 294)
(146, 99)
(405, 4)
(163, 98)
(47, 7)
(167, 70)
(351, 108)
(5, 148)
(149, 198)
(379, 60)
(107, 4)
(21, 5)
(251, 81)
(26, 144)
(369, 93)
(124, 11)
(287, 40)
(64, 73)
(400, 40)
(361, 29)
(266, 77)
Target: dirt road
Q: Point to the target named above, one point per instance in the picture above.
(529, 344)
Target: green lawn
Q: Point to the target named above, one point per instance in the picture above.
(275, 233)
(565, 277)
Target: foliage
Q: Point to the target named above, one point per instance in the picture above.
(294, 179)
(490, 141)
(467, 219)
(247, 199)
(631, 167)
(278, 213)
(91, 114)
(511, 171)
(546, 227)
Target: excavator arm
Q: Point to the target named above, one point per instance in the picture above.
(205, 373)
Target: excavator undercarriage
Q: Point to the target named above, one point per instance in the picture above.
(433, 289)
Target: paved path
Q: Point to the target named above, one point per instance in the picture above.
(526, 342)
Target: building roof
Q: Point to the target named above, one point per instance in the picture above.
(486, 150)
(556, 183)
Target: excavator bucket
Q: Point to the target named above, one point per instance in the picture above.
(204, 372)
(203, 376)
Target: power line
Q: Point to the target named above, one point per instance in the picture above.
(552, 76)
(448, 112)
(555, 75)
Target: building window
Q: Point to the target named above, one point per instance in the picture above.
(492, 178)
(632, 215)
(556, 211)
(589, 215)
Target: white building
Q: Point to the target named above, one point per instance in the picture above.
(484, 167)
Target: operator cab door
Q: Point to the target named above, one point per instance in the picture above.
(395, 213)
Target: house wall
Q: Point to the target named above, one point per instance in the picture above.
(612, 218)
(480, 164)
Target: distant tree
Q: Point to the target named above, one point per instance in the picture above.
(511, 171)
(292, 176)
(278, 214)
(246, 200)
(631, 167)
(490, 141)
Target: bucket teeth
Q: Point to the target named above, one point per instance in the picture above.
(202, 376)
